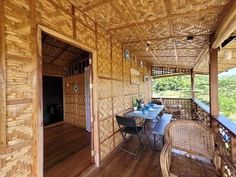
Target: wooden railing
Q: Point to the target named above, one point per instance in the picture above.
(185, 103)
(196, 110)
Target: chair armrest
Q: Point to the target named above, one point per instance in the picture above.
(165, 159)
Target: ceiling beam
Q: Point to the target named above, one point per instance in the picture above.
(99, 3)
(170, 21)
(226, 27)
(167, 38)
(158, 56)
(201, 56)
(196, 48)
(171, 16)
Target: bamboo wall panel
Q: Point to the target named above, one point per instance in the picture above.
(114, 73)
(85, 35)
(54, 17)
(118, 99)
(17, 158)
(104, 56)
(75, 101)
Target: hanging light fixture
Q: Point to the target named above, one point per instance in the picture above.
(148, 44)
(141, 64)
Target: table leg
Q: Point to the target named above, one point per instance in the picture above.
(145, 131)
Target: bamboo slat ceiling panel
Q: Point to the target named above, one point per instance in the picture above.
(165, 23)
(59, 53)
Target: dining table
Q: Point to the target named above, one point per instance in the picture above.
(150, 112)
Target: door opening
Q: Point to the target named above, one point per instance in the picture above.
(52, 100)
(66, 108)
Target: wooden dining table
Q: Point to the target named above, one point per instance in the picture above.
(152, 113)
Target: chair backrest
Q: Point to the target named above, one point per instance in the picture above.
(126, 121)
(158, 102)
(192, 137)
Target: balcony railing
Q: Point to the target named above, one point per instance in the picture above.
(196, 110)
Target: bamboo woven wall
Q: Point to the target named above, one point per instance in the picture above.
(115, 91)
(21, 17)
(75, 101)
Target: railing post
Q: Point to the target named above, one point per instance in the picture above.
(233, 148)
(192, 84)
(213, 80)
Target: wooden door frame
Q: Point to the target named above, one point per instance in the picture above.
(95, 149)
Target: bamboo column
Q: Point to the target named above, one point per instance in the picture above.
(213, 81)
(193, 84)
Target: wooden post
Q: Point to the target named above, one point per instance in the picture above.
(192, 84)
(233, 148)
(2, 78)
(213, 81)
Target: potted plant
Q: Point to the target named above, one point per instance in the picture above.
(135, 104)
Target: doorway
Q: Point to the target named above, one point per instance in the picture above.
(53, 111)
(66, 79)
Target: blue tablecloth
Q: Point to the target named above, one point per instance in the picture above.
(151, 113)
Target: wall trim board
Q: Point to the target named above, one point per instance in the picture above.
(2, 78)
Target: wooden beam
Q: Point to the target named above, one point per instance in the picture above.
(37, 145)
(170, 21)
(167, 38)
(172, 16)
(2, 77)
(227, 26)
(201, 56)
(99, 3)
(158, 56)
(192, 84)
(233, 148)
(213, 80)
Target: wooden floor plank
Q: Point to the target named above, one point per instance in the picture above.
(67, 150)
(121, 164)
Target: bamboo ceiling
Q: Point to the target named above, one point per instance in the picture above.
(59, 53)
(165, 23)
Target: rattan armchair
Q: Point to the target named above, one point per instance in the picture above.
(175, 110)
(193, 150)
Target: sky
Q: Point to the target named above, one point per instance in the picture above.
(229, 72)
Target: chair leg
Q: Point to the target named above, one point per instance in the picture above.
(124, 137)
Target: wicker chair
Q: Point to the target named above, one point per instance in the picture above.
(176, 111)
(193, 150)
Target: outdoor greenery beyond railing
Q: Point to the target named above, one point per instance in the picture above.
(196, 110)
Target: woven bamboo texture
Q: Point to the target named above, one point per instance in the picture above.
(115, 89)
(185, 104)
(75, 100)
(18, 158)
(198, 141)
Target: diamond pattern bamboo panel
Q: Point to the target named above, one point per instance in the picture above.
(106, 129)
(105, 88)
(117, 88)
(105, 108)
(107, 147)
(118, 105)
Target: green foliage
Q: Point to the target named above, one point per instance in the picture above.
(179, 86)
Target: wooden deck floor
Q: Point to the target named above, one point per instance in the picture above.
(121, 164)
(65, 146)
